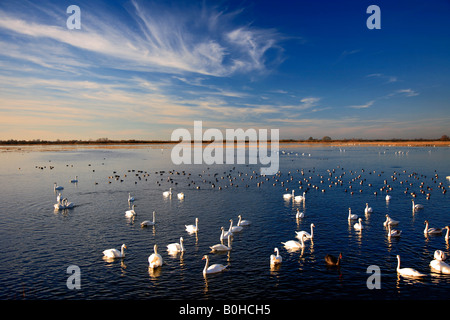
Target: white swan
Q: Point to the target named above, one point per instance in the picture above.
(221, 246)
(215, 268)
(176, 247)
(155, 260)
(180, 195)
(416, 206)
(440, 255)
(56, 187)
(428, 231)
(74, 180)
(440, 266)
(192, 228)
(305, 235)
(288, 196)
(63, 204)
(227, 234)
(407, 272)
(147, 223)
(368, 209)
(114, 253)
(388, 197)
(358, 225)
(167, 193)
(389, 221)
(293, 245)
(300, 198)
(393, 233)
(447, 234)
(130, 213)
(299, 215)
(130, 198)
(243, 222)
(235, 228)
(275, 259)
(352, 216)
(58, 198)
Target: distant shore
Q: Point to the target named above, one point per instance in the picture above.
(132, 144)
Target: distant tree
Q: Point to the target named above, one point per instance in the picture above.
(311, 139)
(445, 138)
(326, 138)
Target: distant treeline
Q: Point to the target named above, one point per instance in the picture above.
(134, 141)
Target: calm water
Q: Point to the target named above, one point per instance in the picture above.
(39, 244)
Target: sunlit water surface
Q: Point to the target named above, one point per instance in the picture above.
(39, 244)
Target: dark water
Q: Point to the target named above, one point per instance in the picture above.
(38, 244)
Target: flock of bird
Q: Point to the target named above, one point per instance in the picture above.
(305, 185)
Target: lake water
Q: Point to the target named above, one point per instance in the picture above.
(39, 244)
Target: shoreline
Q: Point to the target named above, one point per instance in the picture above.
(43, 147)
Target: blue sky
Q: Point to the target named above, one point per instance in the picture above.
(140, 69)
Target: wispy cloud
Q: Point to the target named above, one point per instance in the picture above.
(363, 106)
(385, 78)
(168, 41)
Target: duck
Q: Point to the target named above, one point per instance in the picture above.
(332, 260)
(147, 223)
(221, 247)
(192, 228)
(130, 213)
(74, 180)
(215, 268)
(368, 209)
(416, 206)
(352, 216)
(176, 247)
(407, 272)
(155, 260)
(243, 222)
(358, 225)
(114, 253)
(305, 235)
(275, 259)
(432, 231)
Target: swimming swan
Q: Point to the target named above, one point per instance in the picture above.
(393, 232)
(192, 228)
(275, 259)
(114, 253)
(221, 246)
(167, 193)
(155, 260)
(305, 235)
(368, 209)
(389, 221)
(288, 196)
(408, 272)
(416, 206)
(352, 216)
(332, 260)
(147, 223)
(215, 268)
(243, 222)
(235, 228)
(428, 231)
(292, 244)
(176, 247)
(130, 213)
(358, 225)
